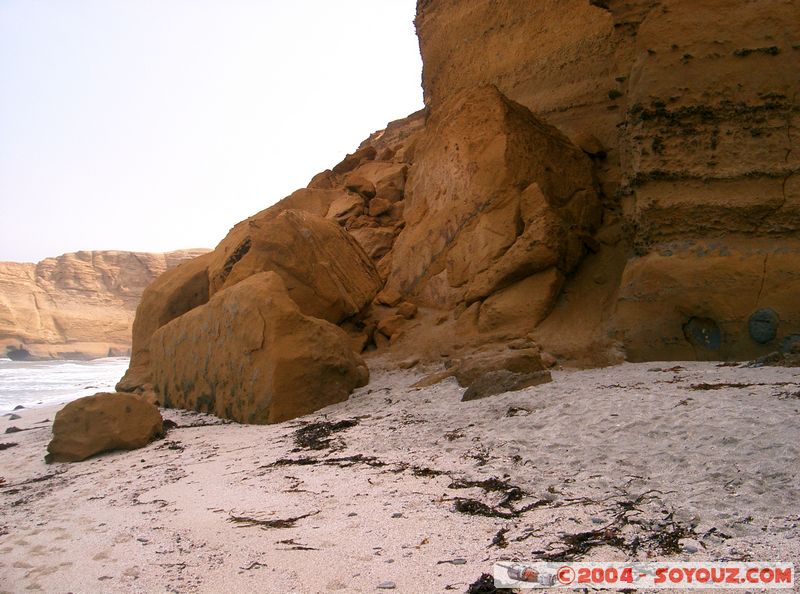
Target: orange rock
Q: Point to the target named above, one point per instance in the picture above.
(389, 297)
(407, 310)
(391, 326)
(396, 212)
(714, 285)
(360, 185)
(345, 208)
(172, 294)
(685, 155)
(100, 423)
(590, 145)
(378, 206)
(324, 180)
(376, 241)
(495, 195)
(389, 179)
(313, 200)
(515, 360)
(548, 360)
(350, 162)
(326, 272)
(495, 217)
(251, 355)
(523, 305)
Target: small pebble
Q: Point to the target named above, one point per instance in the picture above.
(689, 548)
(13, 417)
(13, 430)
(397, 515)
(387, 586)
(352, 514)
(597, 520)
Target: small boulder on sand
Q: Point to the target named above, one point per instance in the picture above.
(503, 380)
(100, 423)
(521, 361)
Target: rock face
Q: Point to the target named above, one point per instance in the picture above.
(251, 355)
(77, 305)
(101, 423)
(689, 111)
(741, 296)
(609, 179)
(494, 197)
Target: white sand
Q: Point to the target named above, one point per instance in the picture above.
(159, 519)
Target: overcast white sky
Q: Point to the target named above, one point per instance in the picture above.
(154, 125)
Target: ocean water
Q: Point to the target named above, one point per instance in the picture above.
(41, 383)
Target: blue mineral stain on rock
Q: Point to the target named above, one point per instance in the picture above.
(763, 325)
(703, 332)
(791, 344)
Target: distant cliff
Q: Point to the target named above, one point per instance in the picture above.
(76, 306)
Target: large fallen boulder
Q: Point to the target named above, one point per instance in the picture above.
(325, 271)
(101, 423)
(251, 355)
(495, 196)
(172, 294)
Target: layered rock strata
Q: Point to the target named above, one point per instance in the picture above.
(690, 112)
(76, 306)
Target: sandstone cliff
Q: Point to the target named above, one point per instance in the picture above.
(609, 179)
(77, 305)
(690, 112)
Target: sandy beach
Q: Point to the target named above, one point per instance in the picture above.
(411, 490)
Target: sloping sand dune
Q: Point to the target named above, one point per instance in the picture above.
(641, 461)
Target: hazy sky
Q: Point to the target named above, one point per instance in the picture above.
(154, 125)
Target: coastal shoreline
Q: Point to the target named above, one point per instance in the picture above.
(394, 486)
(35, 384)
